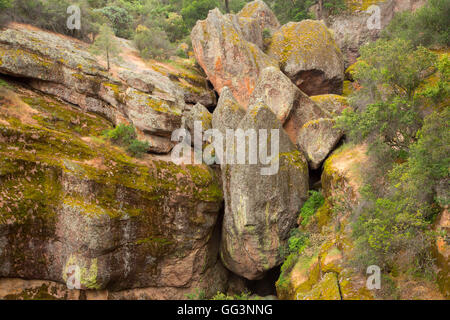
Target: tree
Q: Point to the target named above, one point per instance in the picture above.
(106, 44)
(152, 43)
(389, 73)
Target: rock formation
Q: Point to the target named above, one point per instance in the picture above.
(227, 58)
(260, 210)
(307, 53)
(72, 205)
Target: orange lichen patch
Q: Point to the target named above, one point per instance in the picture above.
(218, 66)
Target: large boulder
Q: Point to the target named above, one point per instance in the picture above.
(321, 271)
(351, 29)
(226, 57)
(250, 29)
(307, 53)
(308, 124)
(259, 10)
(304, 111)
(260, 210)
(276, 90)
(201, 114)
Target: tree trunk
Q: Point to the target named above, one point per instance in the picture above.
(227, 6)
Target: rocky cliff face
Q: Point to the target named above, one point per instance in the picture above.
(77, 211)
(73, 203)
(135, 92)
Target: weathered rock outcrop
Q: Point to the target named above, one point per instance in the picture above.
(78, 211)
(276, 90)
(151, 100)
(201, 114)
(317, 138)
(353, 29)
(228, 113)
(226, 57)
(308, 125)
(260, 210)
(443, 252)
(307, 53)
(332, 103)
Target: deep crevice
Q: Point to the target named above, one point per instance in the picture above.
(315, 178)
(265, 286)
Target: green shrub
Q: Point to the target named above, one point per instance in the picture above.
(386, 110)
(51, 15)
(334, 6)
(122, 135)
(197, 295)
(182, 54)
(138, 148)
(152, 43)
(197, 10)
(296, 244)
(125, 136)
(314, 202)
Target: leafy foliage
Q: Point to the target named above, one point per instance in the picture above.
(152, 43)
(197, 295)
(120, 20)
(197, 10)
(4, 4)
(295, 10)
(387, 111)
(314, 202)
(297, 242)
(52, 15)
(428, 26)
